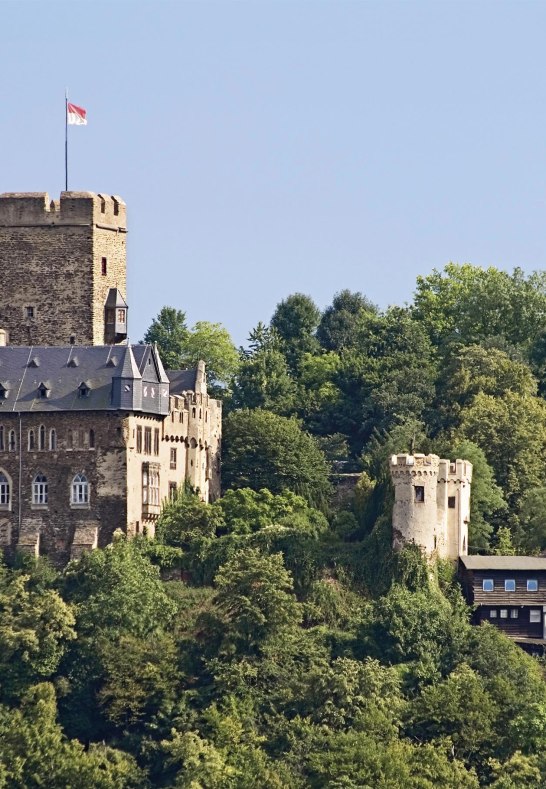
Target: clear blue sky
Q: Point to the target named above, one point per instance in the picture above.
(265, 148)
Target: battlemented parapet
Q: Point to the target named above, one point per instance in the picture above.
(432, 504)
(59, 260)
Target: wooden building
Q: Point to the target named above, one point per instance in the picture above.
(510, 593)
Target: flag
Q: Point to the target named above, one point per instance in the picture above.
(76, 115)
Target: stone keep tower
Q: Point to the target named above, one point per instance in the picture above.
(431, 504)
(62, 269)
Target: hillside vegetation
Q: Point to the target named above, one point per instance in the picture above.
(272, 639)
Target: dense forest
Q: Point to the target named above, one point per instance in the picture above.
(271, 638)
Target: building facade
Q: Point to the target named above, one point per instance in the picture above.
(94, 434)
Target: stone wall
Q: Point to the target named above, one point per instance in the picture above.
(51, 261)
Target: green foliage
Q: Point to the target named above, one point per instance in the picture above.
(170, 332)
(263, 450)
(295, 321)
(338, 327)
(211, 343)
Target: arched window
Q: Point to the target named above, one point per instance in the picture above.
(91, 439)
(69, 439)
(4, 492)
(12, 445)
(80, 490)
(193, 412)
(31, 441)
(53, 439)
(42, 438)
(39, 489)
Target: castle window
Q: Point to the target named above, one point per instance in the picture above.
(514, 613)
(12, 443)
(419, 494)
(39, 489)
(43, 391)
(172, 490)
(31, 441)
(42, 437)
(172, 417)
(150, 485)
(181, 417)
(53, 439)
(193, 412)
(451, 502)
(504, 613)
(532, 585)
(83, 390)
(1, 438)
(173, 457)
(29, 312)
(139, 439)
(91, 439)
(206, 416)
(116, 206)
(121, 316)
(72, 339)
(509, 585)
(488, 584)
(103, 266)
(79, 490)
(493, 613)
(535, 615)
(147, 440)
(69, 439)
(3, 392)
(156, 442)
(4, 492)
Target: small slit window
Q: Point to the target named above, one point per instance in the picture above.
(31, 441)
(419, 494)
(103, 266)
(488, 585)
(509, 585)
(53, 438)
(12, 443)
(42, 437)
(451, 502)
(1, 438)
(91, 439)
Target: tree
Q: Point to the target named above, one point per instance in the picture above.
(295, 320)
(211, 343)
(255, 599)
(338, 327)
(532, 537)
(466, 304)
(264, 381)
(170, 332)
(263, 450)
(36, 627)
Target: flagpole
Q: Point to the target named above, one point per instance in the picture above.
(66, 139)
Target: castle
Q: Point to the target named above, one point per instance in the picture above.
(431, 504)
(94, 433)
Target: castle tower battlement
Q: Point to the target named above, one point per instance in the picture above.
(20, 209)
(59, 261)
(432, 504)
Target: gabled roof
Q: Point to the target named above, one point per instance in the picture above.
(182, 380)
(504, 562)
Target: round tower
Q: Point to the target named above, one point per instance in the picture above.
(414, 517)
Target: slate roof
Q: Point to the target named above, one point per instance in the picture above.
(62, 370)
(182, 380)
(504, 562)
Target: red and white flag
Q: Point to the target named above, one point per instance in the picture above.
(76, 115)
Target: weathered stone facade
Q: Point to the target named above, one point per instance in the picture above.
(432, 504)
(58, 261)
(93, 437)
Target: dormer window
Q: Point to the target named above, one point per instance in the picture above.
(83, 390)
(3, 392)
(43, 392)
(73, 362)
(34, 362)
